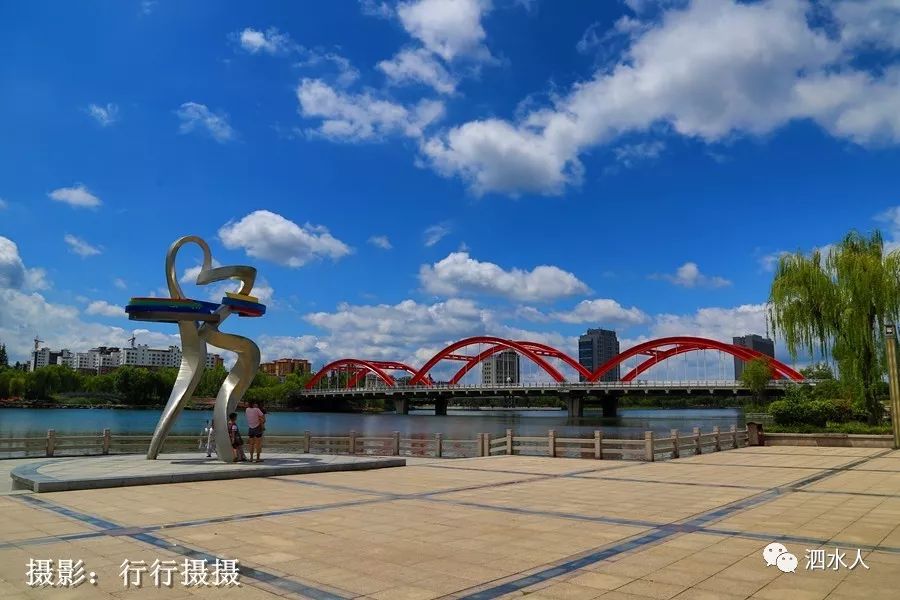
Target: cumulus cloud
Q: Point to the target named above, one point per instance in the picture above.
(78, 196)
(104, 115)
(448, 28)
(435, 233)
(270, 41)
(458, 273)
(198, 117)
(706, 69)
(602, 311)
(688, 275)
(418, 65)
(105, 309)
(80, 247)
(717, 323)
(381, 241)
(23, 312)
(269, 236)
(349, 117)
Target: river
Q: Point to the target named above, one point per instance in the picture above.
(458, 424)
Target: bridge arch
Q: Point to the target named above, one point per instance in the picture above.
(384, 365)
(537, 347)
(682, 344)
(519, 347)
(359, 364)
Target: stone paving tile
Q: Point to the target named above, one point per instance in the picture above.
(707, 474)
(656, 502)
(20, 521)
(822, 458)
(523, 530)
(160, 504)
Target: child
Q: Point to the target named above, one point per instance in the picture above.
(209, 442)
(234, 434)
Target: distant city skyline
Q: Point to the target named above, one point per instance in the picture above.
(538, 169)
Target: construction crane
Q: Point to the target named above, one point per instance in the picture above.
(132, 339)
(37, 343)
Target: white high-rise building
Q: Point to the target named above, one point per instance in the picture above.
(143, 355)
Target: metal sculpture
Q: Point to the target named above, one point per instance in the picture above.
(198, 323)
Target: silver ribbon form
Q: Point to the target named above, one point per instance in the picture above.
(194, 337)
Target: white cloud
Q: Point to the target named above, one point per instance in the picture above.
(148, 6)
(716, 323)
(688, 275)
(360, 117)
(270, 41)
(3, 204)
(380, 241)
(602, 311)
(195, 116)
(80, 247)
(269, 236)
(459, 274)
(418, 66)
(868, 22)
(435, 233)
(448, 28)
(120, 283)
(104, 115)
(24, 313)
(769, 262)
(14, 274)
(78, 196)
(105, 309)
(629, 155)
(376, 8)
(708, 70)
(347, 73)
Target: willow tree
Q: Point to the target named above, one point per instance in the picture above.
(838, 305)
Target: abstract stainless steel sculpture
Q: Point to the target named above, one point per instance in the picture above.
(198, 323)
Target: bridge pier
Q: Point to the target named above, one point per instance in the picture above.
(401, 405)
(440, 407)
(610, 407)
(575, 406)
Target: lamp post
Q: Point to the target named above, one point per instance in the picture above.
(890, 342)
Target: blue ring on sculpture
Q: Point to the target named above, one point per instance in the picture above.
(244, 308)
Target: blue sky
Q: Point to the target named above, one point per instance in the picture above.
(404, 174)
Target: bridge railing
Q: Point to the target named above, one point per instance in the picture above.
(650, 447)
(614, 385)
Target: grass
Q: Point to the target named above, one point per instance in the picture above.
(851, 427)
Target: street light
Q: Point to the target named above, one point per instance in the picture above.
(890, 342)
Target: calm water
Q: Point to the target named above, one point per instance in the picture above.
(458, 424)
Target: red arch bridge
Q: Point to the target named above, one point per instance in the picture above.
(351, 378)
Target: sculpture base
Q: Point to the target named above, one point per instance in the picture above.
(92, 472)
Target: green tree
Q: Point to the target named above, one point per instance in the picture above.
(819, 371)
(17, 387)
(756, 375)
(839, 305)
(4, 359)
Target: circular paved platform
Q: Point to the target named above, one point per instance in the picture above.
(90, 472)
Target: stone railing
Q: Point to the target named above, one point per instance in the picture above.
(650, 447)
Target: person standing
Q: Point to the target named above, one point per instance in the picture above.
(234, 434)
(256, 420)
(208, 433)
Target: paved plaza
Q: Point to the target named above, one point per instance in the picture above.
(483, 528)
